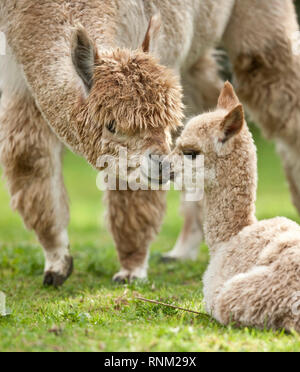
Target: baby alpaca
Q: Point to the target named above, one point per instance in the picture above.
(254, 272)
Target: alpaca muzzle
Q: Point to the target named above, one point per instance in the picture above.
(157, 169)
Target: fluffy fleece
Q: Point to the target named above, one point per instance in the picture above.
(253, 278)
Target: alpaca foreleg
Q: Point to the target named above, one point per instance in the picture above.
(135, 218)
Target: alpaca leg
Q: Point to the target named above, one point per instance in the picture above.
(291, 165)
(202, 86)
(135, 218)
(267, 70)
(191, 236)
(294, 186)
(265, 297)
(31, 158)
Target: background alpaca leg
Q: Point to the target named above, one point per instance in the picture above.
(31, 158)
(191, 236)
(135, 218)
(294, 184)
(291, 165)
(267, 72)
(202, 85)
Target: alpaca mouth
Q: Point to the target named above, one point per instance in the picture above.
(156, 169)
(155, 181)
(159, 182)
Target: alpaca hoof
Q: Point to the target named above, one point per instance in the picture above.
(167, 259)
(126, 276)
(190, 255)
(120, 279)
(55, 279)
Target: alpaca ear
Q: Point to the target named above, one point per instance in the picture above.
(232, 123)
(228, 99)
(152, 33)
(84, 55)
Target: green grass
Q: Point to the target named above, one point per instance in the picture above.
(88, 313)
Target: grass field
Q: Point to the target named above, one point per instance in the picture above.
(90, 313)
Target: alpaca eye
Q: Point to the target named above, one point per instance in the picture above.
(111, 127)
(192, 154)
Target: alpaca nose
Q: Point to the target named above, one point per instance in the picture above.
(156, 164)
(157, 160)
(159, 168)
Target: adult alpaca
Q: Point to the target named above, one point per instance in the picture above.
(97, 102)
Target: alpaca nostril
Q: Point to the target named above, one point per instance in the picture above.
(158, 162)
(155, 158)
(158, 168)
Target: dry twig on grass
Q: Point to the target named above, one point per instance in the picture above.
(172, 306)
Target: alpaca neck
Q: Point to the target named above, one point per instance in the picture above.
(229, 204)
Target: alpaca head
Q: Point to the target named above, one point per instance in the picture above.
(220, 136)
(129, 101)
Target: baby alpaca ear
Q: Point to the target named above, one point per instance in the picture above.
(228, 99)
(152, 33)
(232, 123)
(84, 55)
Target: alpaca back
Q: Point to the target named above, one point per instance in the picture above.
(262, 264)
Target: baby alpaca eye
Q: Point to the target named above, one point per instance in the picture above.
(111, 127)
(191, 153)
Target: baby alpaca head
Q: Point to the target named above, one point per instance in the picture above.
(220, 135)
(230, 174)
(129, 100)
(214, 132)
